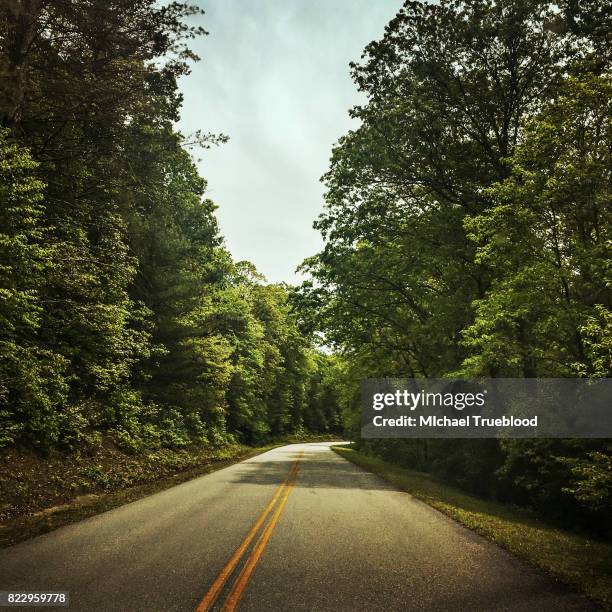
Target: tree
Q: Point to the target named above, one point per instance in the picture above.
(546, 237)
(123, 314)
(466, 228)
(32, 385)
(449, 87)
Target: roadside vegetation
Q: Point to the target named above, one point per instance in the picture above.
(467, 228)
(134, 351)
(42, 493)
(38, 494)
(581, 562)
(122, 313)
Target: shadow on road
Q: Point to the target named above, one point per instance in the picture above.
(317, 470)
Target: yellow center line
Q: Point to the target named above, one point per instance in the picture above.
(230, 566)
(243, 579)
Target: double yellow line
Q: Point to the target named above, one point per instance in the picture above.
(241, 582)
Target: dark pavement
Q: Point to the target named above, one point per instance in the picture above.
(334, 538)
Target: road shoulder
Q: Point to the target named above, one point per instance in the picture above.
(582, 563)
(48, 493)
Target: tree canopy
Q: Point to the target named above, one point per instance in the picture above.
(467, 225)
(121, 311)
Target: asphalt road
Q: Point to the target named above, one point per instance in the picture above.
(334, 538)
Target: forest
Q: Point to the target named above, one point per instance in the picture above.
(466, 231)
(122, 313)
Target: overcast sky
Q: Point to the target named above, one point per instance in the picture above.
(274, 77)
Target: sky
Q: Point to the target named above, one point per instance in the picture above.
(274, 77)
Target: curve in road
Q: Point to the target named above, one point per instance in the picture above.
(296, 528)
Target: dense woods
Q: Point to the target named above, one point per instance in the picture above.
(467, 230)
(122, 314)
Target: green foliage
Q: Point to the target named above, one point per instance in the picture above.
(597, 335)
(467, 229)
(121, 312)
(32, 385)
(591, 479)
(546, 237)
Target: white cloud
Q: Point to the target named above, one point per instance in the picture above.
(275, 78)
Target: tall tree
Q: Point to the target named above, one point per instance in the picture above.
(32, 377)
(449, 87)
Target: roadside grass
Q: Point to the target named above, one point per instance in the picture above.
(48, 494)
(582, 563)
(39, 494)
